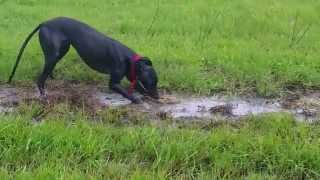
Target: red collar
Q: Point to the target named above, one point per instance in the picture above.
(133, 76)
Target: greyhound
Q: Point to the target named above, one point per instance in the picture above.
(98, 51)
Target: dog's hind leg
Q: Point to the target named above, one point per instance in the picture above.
(48, 67)
(54, 46)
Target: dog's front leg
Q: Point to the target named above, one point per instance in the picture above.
(117, 88)
(114, 84)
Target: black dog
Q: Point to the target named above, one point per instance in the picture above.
(99, 52)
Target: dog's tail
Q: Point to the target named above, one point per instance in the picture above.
(21, 51)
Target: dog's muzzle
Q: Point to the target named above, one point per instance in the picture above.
(151, 92)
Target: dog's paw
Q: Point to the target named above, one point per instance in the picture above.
(44, 99)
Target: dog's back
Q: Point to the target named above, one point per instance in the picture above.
(99, 51)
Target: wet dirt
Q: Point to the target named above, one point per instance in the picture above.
(207, 107)
(304, 107)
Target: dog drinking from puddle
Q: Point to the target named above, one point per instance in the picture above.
(98, 51)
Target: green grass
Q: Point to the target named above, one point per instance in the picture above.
(204, 47)
(75, 146)
(201, 46)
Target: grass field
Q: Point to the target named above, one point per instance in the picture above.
(200, 47)
(74, 146)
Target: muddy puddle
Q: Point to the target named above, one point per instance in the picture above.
(236, 107)
(208, 106)
(304, 107)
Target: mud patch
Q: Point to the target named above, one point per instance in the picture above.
(113, 99)
(231, 107)
(93, 98)
(304, 108)
(8, 99)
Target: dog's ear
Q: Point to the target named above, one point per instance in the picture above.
(143, 64)
(146, 61)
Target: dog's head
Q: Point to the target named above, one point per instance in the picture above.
(147, 78)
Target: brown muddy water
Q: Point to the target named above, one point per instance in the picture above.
(304, 107)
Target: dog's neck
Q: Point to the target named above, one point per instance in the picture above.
(133, 71)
